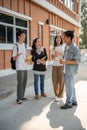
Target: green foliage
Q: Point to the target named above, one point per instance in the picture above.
(83, 36)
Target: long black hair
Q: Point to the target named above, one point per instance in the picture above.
(34, 45)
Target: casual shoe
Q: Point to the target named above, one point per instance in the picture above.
(56, 99)
(66, 106)
(24, 99)
(43, 95)
(74, 103)
(36, 97)
(19, 101)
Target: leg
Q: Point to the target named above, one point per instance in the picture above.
(42, 78)
(36, 77)
(55, 80)
(19, 85)
(61, 81)
(24, 81)
(69, 82)
(74, 93)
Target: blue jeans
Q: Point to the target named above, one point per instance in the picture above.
(36, 78)
(70, 89)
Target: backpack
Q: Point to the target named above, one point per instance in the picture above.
(13, 62)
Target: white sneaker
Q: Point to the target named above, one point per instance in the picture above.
(19, 101)
(56, 99)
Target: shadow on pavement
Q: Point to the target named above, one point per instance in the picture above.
(62, 119)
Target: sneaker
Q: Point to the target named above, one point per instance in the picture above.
(24, 99)
(65, 106)
(74, 103)
(19, 101)
(43, 95)
(36, 97)
(56, 99)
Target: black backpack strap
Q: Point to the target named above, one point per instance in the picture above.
(17, 47)
(25, 46)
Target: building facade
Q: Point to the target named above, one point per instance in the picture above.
(39, 18)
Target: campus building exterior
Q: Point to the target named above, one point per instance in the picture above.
(39, 18)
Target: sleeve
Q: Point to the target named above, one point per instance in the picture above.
(45, 54)
(14, 51)
(77, 54)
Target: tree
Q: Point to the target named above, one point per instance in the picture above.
(84, 24)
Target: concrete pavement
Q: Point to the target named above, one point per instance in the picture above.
(45, 114)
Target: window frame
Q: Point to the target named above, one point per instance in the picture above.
(69, 4)
(9, 46)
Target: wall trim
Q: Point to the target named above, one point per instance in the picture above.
(11, 12)
(40, 23)
(57, 27)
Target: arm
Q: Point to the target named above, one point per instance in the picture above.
(15, 57)
(68, 62)
(76, 57)
(44, 58)
(15, 52)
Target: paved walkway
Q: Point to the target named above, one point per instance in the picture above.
(53, 118)
(45, 114)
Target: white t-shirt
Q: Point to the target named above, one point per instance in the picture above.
(20, 62)
(59, 49)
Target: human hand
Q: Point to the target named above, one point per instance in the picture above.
(19, 54)
(62, 61)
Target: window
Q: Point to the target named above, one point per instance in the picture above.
(70, 4)
(6, 18)
(9, 35)
(9, 25)
(20, 22)
(2, 34)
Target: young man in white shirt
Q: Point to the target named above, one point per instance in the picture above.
(19, 54)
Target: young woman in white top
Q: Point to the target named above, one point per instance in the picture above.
(57, 53)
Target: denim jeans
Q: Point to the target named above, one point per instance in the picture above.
(70, 89)
(36, 79)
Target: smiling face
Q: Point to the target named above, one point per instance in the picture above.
(68, 37)
(58, 40)
(38, 43)
(22, 37)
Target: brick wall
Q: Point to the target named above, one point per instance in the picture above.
(38, 14)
